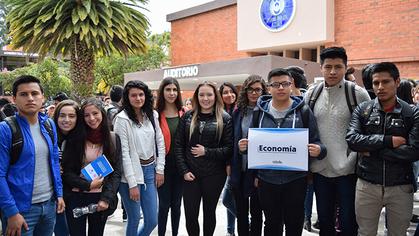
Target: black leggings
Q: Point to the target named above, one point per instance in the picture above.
(208, 189)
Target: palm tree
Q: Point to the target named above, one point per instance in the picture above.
(79, 28)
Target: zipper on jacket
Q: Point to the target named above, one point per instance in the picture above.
(384, 161)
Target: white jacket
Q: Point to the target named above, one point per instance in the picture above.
(131, 153)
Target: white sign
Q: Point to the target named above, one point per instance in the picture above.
(278, 149)
(181, 72)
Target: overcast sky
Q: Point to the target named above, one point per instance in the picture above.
(158, 9)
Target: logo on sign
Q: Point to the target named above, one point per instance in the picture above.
(276, 15)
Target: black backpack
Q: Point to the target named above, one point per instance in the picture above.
(2, 116)
(17, 138)
(349, 94)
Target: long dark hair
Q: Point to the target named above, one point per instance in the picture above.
(148, 103)
(243, 101)
(76, 146)
(404, 91)
(160, 97)
(57, 111)
(221, 90)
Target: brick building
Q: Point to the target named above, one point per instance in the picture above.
(226, 40)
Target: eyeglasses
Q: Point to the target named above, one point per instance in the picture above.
(277, 85)
(252, 90)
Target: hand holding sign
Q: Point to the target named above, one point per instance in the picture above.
(314, 150)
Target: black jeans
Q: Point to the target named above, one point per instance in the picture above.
(77, 226)
(242, 207)
(330, 191)
(208, 189)
(283, 203)
(170, 197)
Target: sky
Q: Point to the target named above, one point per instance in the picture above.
(158, 9)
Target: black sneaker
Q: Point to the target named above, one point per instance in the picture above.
(307, 225)
(316, 225)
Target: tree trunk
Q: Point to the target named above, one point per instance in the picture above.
(81, 69)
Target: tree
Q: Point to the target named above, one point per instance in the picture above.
(52, 73)
(110, 70)
(4, 40)
(79, 28)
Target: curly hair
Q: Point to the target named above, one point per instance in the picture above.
(160, 98)
(148, 103)
(243, 100)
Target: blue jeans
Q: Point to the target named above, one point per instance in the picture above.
(229, 203)
(61, 228)
(308, 202)
(170, 197)
(332, 191)
(40, 219)
(147, 204)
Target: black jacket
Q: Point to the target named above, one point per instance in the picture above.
(71, 178)
(370, 133)
(217, 152)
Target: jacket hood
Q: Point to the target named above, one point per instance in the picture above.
(263, 102)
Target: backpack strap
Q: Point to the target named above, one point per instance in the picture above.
(305, 116)
(17, 139)
(255, 118)
(2, 116)
(314, 95)
(350, 95)
(48, 127)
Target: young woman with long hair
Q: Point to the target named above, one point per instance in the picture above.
(229, 95)
(203, 145)
(86, 145)
(169, 107)
(66, 119)
(245, 194)
(143, 157)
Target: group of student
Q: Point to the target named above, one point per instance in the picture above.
(163, 153)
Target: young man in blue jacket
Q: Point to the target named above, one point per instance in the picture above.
(30, 187)
(282, 193)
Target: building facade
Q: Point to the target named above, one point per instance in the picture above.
(256, 36)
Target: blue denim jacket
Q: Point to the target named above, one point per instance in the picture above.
(16, 181)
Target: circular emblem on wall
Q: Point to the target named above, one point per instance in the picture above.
(276, 15)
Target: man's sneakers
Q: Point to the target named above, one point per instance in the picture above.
(307, 225)
(124, 216)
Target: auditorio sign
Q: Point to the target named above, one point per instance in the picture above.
(276, 15)
(181, 72)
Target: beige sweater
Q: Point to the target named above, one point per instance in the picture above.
(333, 117)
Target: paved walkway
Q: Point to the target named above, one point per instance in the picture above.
(115, 226)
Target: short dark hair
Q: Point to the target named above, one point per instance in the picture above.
(9, 109)
(388, 67)
(116, 93)
(61, 96)
(278, 72)
(366, 79)
(25, 79)
(297, 73)
(333, 53)
(4, 101)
